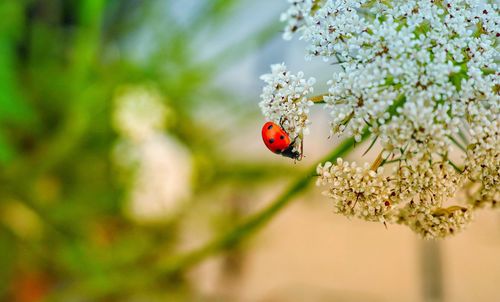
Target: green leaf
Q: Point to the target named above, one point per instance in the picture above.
(422, 29)
(456, 79)
(7, 152)
(13, 108)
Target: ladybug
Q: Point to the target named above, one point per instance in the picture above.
(278, 141)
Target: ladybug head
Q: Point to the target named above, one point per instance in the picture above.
(289, 152)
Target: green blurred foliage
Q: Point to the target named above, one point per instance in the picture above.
(63, 234)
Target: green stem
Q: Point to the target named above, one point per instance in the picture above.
(393, 161)
(455, 167)
(457, 143)
(463, 137)
(253, 223)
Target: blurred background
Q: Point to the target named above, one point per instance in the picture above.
(130, 133)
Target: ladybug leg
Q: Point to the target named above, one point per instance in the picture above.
(281, 121)
(295, 158)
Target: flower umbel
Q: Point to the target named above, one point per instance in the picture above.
(422, 77)
(356, 191)
(437, 224)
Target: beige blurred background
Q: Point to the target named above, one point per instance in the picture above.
(309, 254)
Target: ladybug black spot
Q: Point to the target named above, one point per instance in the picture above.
(282, 137)
(269, 127)
(271, 140)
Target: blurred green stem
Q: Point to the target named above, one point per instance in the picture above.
(255, 222)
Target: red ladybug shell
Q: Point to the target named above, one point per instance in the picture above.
(275, 138)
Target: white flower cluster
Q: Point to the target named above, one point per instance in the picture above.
(414, 199)
(483, 155)
(160, 166)
(438, 224)
(423, 77)
(284, 100)
(427, 186)
(356, 191)
(295, 16)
